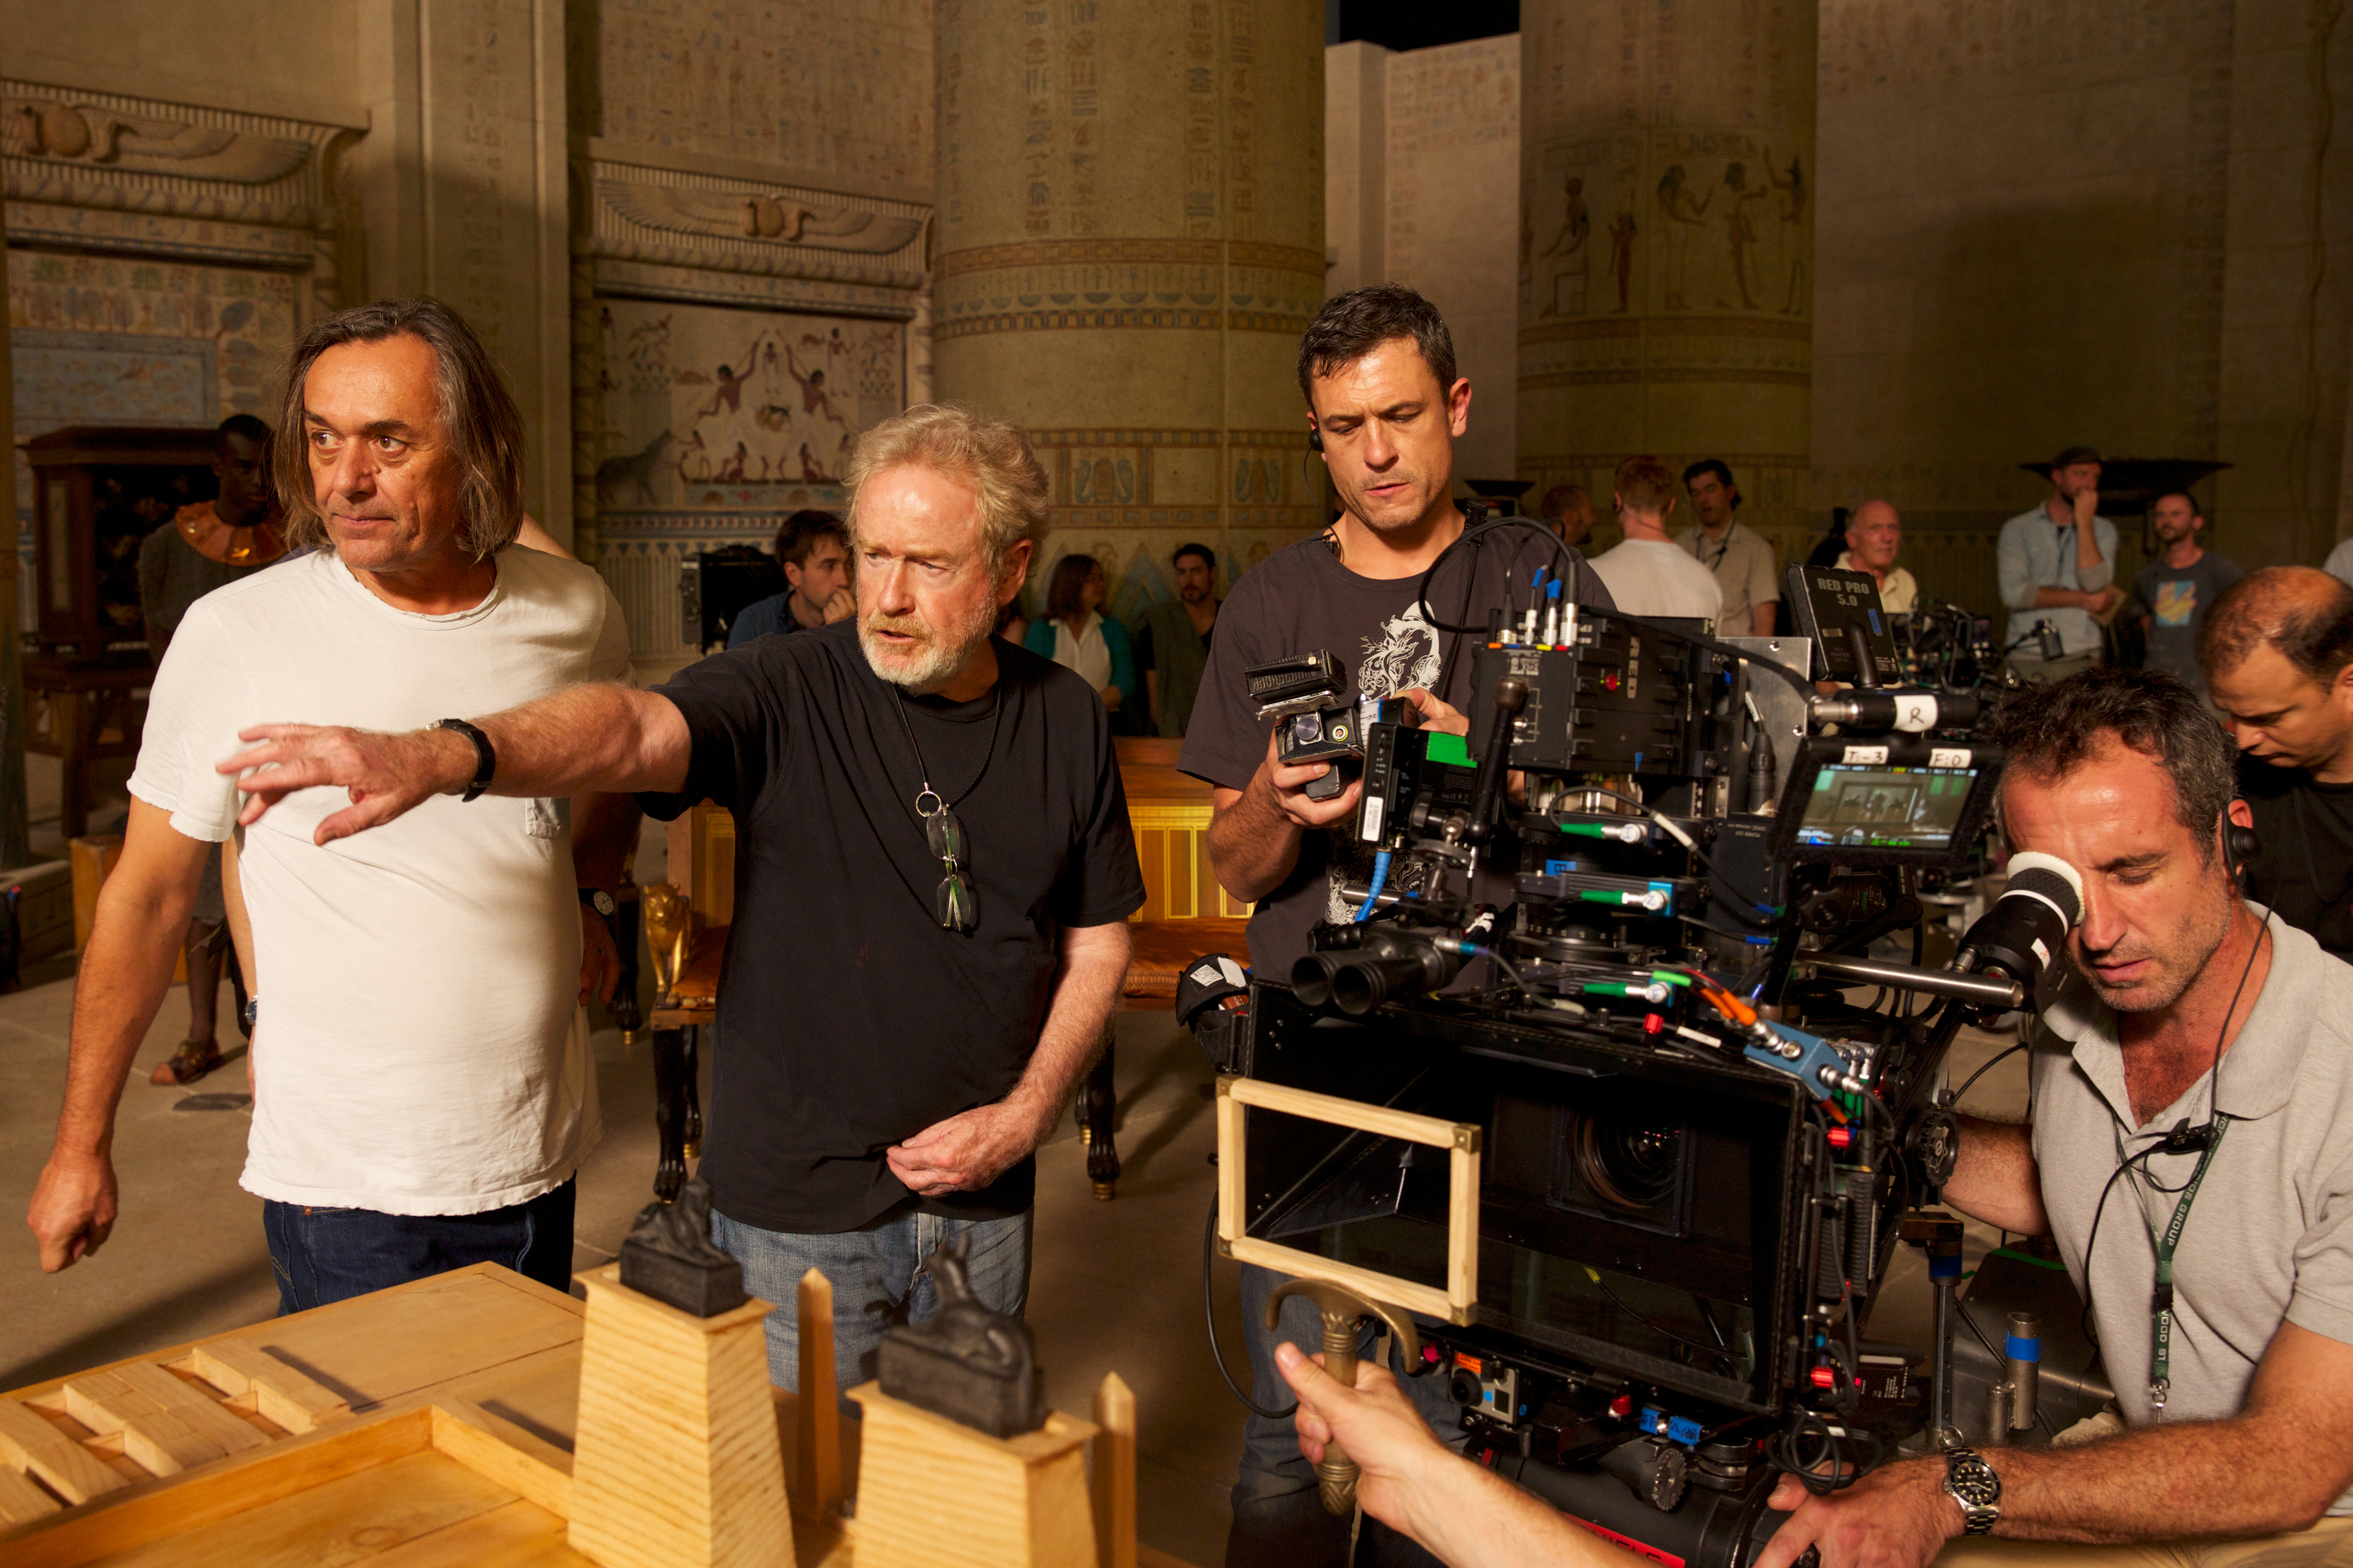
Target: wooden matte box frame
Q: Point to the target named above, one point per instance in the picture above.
(1461, 1139)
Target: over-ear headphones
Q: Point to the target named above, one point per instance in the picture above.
(1314, 439)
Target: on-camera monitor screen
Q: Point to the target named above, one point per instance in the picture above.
(1878, 806)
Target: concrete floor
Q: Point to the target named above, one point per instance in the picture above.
(1116, 1284)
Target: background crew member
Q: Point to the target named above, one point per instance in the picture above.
(209, 545)
(2057, 562)
(1567, 509)
(2277, 649)
(929, 819)
(1384, 406)
(1076, 634)
(2173, 594)
(1172, 647)
(1873, 536)
(424, 1097)
(814, 549)
(2123, 774)
(1741, 558)
(1648, 574)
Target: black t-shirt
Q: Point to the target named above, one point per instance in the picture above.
(1141, 644)
(2302, 866)
(849, 1020)
(1301, 599)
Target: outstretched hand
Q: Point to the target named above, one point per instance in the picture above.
(387, 775)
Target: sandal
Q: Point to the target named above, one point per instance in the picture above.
(189, 1063)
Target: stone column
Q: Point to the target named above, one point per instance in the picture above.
(462, 179)
(14, 824)
(1130, 241)
(1666, 293)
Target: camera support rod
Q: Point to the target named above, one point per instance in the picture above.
(1978, 988)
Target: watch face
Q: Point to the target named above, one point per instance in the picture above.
(602, 902)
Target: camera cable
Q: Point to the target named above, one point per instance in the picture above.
(1209, 1321)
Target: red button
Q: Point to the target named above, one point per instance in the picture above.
(1825, 1378)
(1622, 1407)
(1609, 680)
(1654, 1025)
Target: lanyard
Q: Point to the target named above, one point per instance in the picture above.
(2168, 1241)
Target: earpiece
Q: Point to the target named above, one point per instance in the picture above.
(1315, 440)
(2240, 846)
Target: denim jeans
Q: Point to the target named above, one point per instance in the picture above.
(878, 1279)
(323, 1255)
(1279, 1522)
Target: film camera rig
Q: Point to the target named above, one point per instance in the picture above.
(1619, 1139)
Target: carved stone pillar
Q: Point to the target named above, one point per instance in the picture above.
(1130, 239)
(462, 177)
(1666, 291)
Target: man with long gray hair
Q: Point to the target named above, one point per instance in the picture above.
(423, 1097)
(934, 874)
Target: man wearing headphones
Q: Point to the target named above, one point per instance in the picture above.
(2193, 1101)
(2193, 1108)
(1384, 408)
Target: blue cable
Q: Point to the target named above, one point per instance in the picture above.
(1373, 895)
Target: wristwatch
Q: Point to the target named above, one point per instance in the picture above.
(600, 900)
(252, 1014)
(486, 760)
(1972, 1483)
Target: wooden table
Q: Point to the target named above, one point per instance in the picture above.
(464, 1395)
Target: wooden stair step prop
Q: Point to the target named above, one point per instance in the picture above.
(677, 1462)
(167, 1425)
(286, 1396)
(20, 1500)
(30, 1443)
(934, 1490)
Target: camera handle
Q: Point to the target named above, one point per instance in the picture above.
(1341, 1311)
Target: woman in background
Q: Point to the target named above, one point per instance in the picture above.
(1075, 634)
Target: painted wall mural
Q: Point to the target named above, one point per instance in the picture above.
(717, 423)
(99, 339)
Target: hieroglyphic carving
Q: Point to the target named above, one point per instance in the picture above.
(71, 130)
(722, 223)
(830, 86)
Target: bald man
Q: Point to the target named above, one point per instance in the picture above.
(1873, 535)
(2278, 652)
(1568, 511)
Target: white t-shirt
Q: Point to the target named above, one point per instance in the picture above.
(1653, 577)
(417, 1051)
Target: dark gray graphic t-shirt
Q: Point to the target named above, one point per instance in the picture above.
(1301, 599)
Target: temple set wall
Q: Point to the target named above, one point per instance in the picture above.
(1856, 247)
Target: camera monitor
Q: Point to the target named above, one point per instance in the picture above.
(1827, 602)
(1897, 800)
(1885, 806)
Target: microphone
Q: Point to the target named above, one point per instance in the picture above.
(2024, 936)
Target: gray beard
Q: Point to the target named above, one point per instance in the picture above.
(923, 673)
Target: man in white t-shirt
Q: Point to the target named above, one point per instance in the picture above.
(1648, 575)
(422, 1097)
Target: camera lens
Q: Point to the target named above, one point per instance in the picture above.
(1630, 1165)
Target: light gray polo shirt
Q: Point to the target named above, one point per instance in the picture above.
(2270, 1233)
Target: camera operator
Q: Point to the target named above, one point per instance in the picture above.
(1385, 405)
(2197, 1037)
(2246, 1457)
(2277, 648)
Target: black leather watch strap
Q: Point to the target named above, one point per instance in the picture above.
(486, 760)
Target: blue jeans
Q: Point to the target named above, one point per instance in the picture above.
(878, 1279)
(323, 1255)
(1279, 1522)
